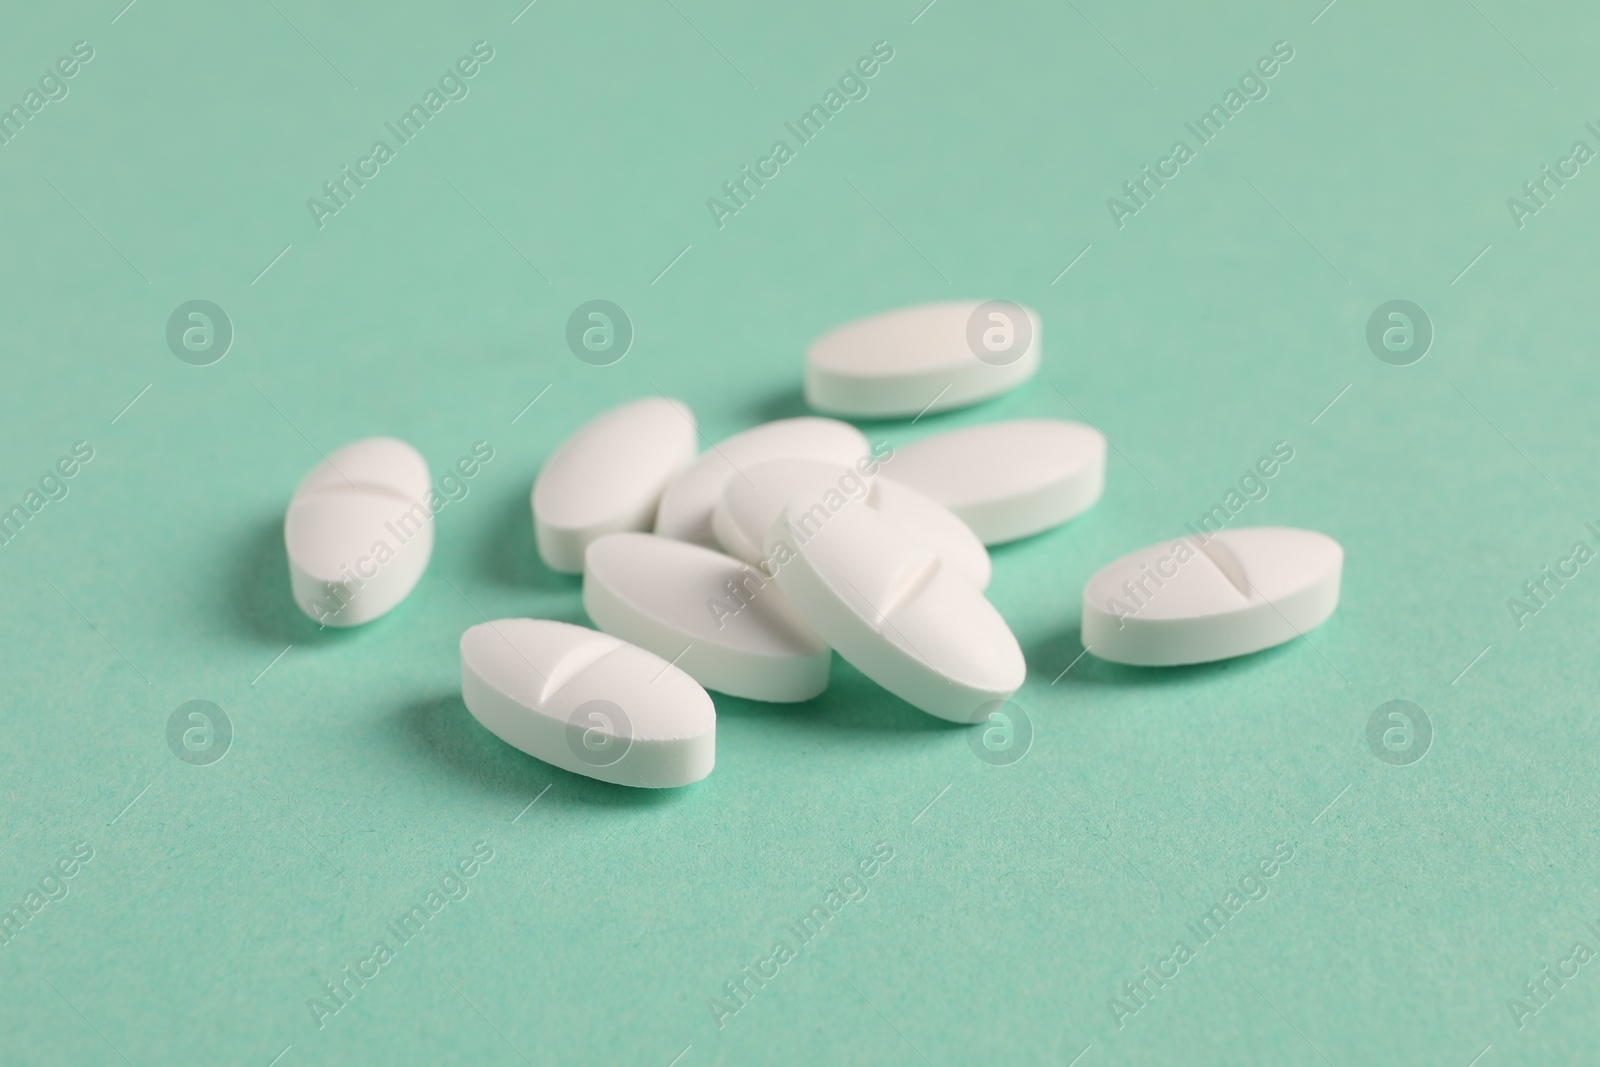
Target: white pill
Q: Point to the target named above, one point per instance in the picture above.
(1189, 601)
(930, 357)
(607, 477)
(750, 505)
(687, 504)
(359, 531)
(935, 526)
(886, 603)
(1008, 479)
(588, 703)
(720, 620)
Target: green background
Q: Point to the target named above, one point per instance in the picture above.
(1222, 318)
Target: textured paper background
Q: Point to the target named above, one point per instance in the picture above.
(1223, 317)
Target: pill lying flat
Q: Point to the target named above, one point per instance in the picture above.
(359, 531)
(1009, 479)
(719, 619)
(930, 357)
(588, 703)
(1189, 601)
(608, 476)
(751, 504)
(887, 604)
(688, 502)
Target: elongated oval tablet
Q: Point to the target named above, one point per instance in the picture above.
(359, 531)
(886, 603)
(588, 703)
(931, 357)
(688, 502)
(751, 504)
(1193, 601)
(607, 477)
(1009, 479)
(935, 526)
(719, 619)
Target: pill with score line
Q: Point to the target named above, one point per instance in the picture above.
(723, 622)
(751, 504)
(588, 702)
(889, 605)
(358, 531)
(1197, 599)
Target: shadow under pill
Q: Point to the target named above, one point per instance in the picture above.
(852, 703)
(1053, 655)
(788, 404)
(442, 729)
(261, 602)
(511, 554)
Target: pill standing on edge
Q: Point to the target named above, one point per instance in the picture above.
(931, 357)
(1009, 479)
(588, 703)
(359, 531)
(689, 500)
(1194, 600)
(886, 603)
(608, 476)
(723, 622)
(751, 504)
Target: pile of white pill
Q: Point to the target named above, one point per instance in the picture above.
(743, 568)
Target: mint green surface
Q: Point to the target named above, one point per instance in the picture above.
(1222, 318)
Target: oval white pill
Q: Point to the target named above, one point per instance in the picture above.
(751, 504)
(359, 531)
(886, 603)
(930, 357)
(720, 620)
(588, 703)
(688, 502)
(935, 526)
(607, 477)
(1009, 479)
(1189, 601)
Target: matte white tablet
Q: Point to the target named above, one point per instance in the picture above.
(687, 504)
(930, 357)
(886, 603)
(608, 476)
(1189, 601)
(1009, 479)
(588, 703)
(719, 619)
(750, 505)
(359, 531)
